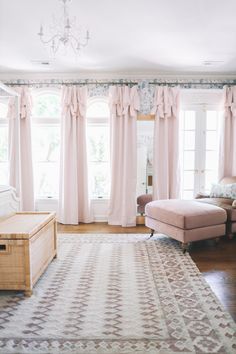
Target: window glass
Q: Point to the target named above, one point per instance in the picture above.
(46, 143)
(189, 140)
(98, 148)
(98, 108)
(4, 165)
(3, 108)
(46, 139)
(199, 150)
(189, 120)
(46, 105)
(3, 143)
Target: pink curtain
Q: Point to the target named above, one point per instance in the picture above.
(166, 170)
(73, 193)
(124, 104)
(13, 144)
(227, 155)
(20, 147)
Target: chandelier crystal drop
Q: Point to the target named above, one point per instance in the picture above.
(65, 33)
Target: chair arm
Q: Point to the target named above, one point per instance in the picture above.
(234, 204)
(201, 195)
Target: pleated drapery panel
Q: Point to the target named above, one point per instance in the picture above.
(124, 104)
(227, 155)
(14, 144)
(20, 147)
(166, 168)
(74, 204)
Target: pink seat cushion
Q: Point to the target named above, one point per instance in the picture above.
(185, 214)
(224, 203)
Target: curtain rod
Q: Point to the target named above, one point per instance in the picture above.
(176, 83)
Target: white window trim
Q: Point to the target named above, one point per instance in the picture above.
(200, 141)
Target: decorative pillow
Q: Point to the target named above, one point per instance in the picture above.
(223, 191)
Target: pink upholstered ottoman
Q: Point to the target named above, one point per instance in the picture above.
(185, 220)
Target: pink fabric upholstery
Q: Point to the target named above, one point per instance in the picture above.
(185, 214)
(227, 156)
(166, 171)
(142, 200)
(183, 235)
(225, 203)
(124, 104)
(73, 193)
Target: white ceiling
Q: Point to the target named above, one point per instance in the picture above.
(129, 36)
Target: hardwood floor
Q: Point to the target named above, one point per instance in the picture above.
(216, 262)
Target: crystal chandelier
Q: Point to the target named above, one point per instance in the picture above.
(65, 33)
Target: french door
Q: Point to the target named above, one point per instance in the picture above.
(199, 130)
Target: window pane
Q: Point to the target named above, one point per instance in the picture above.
(188, 180)
(46, 176)
(46, 141)
(210, 177)
(4, 174)
(211, 120)
(181, 120)
(189, 160)
(188, 195)
(189, 121)
(98, 109)
(189, 140)
(98, 138)
(99, 179)
(46, 105)
(211, 140)
(98, 143)
(211, 160)
(3, 143)
(3, 107)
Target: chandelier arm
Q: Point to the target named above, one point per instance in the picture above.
(83, 44)
(50, 39)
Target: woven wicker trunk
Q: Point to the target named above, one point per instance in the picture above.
(27, 246)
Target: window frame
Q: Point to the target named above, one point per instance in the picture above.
(200, 150)
(45, 121)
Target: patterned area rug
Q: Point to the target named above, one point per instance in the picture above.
(117, 294)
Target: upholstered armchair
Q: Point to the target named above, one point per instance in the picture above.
(142, 200)
(226, 202)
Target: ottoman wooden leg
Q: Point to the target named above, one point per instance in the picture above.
(152, 233)
(184, 246)
(217, 240)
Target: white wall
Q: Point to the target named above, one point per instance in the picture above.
(99, 207)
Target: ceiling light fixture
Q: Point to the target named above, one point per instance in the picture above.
(65, 33)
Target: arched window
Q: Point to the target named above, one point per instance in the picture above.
(4, 172)
(98, 147)
(46, 142)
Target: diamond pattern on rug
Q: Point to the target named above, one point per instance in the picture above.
(117, 294)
